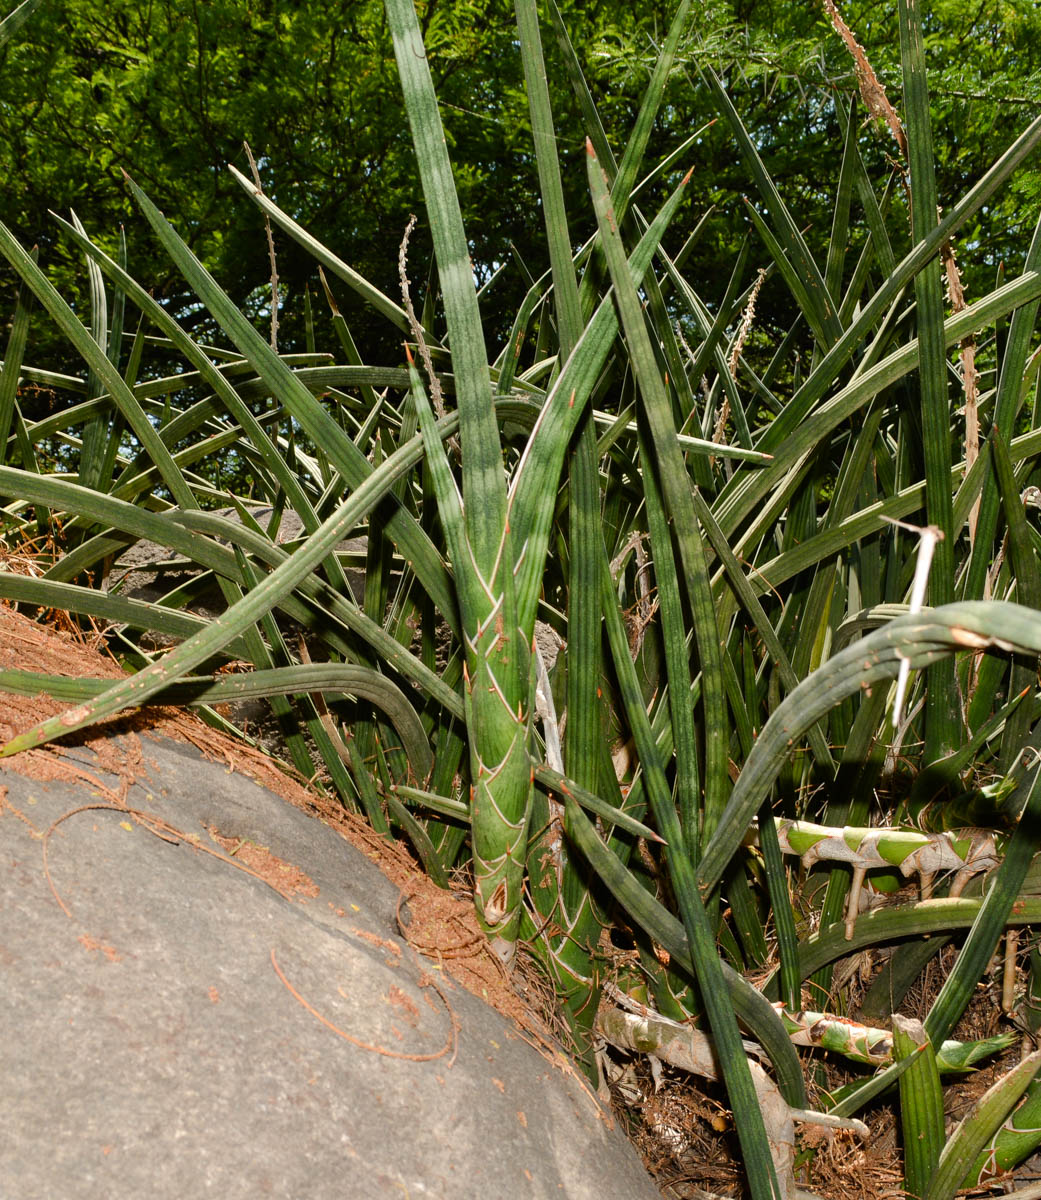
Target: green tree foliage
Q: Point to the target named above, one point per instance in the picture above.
(169, 92)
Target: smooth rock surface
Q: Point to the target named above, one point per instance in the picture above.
(150, 1047)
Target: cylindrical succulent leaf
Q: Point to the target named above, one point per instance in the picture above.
(921, 1105)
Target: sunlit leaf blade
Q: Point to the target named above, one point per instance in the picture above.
(677, 655)
(942, 730)
(676, 491)
(565, 283)
(216, 379)
(591, 118)
(9, 376)
(11, 25)
(108, 606)
(737, 501)
(98, 363)
(372, 295)
(484, 485)
(624, 181)
(332, 678)
(531, 509)
(321, 427)
(204, 644)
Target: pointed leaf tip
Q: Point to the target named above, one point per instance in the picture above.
(330, 298)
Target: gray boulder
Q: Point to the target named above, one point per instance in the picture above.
(176, 1027)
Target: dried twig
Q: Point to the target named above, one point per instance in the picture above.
(270, 250)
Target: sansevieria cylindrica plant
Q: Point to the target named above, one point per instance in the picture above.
(721, 528)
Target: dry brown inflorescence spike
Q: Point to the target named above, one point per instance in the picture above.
(871, 90)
